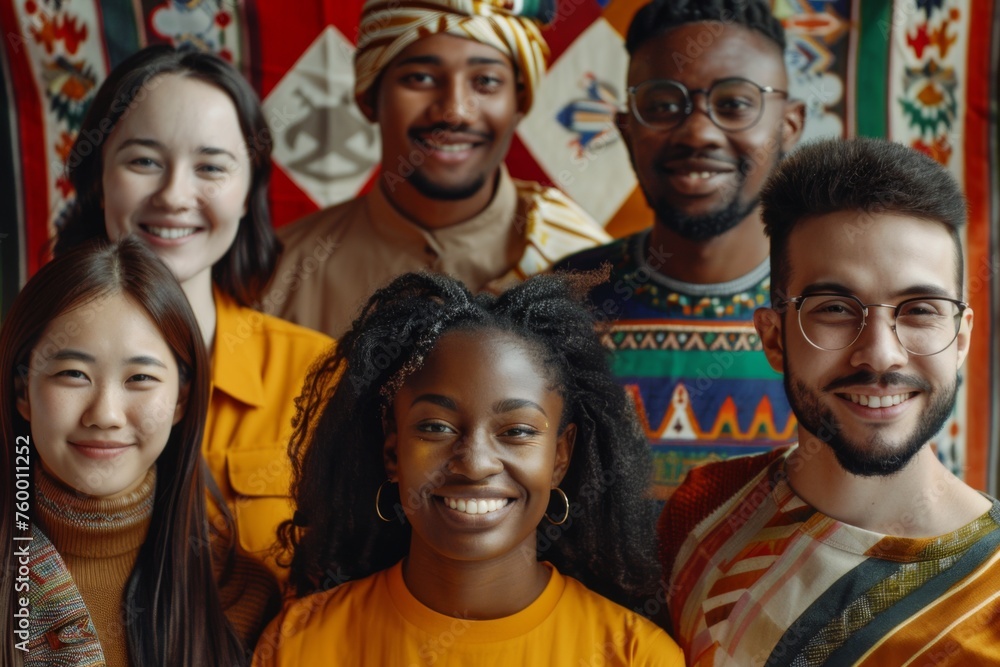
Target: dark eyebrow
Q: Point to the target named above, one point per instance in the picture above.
(436, 399)
(836, 288)
(153, 143)
(511, 404)
(142, 360)
(431, 59)
(500, 407)
(926, 289)
(75, 355)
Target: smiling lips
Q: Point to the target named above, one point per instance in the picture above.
(169, 233)
(476, 505)
(100, 449)
(880, 401)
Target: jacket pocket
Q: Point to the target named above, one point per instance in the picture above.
(261, 480)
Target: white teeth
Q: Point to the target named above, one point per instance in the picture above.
(474, 506)
(448, 148)
(170, 232)
(878, 401)
(700, 174)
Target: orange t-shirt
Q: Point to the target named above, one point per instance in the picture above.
(376, 621)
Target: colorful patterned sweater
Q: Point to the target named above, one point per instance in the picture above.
(768, 580)
(691, 359)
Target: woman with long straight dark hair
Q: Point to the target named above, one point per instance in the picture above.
(104, 392)
(175, 150)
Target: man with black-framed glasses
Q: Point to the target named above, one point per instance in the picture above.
(856, 546)
(707, 118)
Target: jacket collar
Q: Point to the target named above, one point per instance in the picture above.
(237, 351)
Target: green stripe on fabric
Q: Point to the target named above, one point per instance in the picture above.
(120, 27)
(718, 364)
(827, 607)
(866, 637)
(871, 101)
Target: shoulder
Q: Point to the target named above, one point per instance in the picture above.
(299, 235)
(704, 490)
(594, 258)
(298, 635)
(553, 203)
(638, 640)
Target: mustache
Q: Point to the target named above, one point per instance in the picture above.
(674, 152)
(881, 379)
(438, 129)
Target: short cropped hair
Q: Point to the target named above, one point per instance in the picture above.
(660, 16)
(865, 175)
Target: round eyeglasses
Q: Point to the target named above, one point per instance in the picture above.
(733, 104)
(923, 325)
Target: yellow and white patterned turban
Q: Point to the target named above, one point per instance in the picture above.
(389, 26)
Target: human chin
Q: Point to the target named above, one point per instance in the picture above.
(875, 455)
(704, 226)
(446, 191)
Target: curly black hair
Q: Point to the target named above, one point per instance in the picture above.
(660, 16)
(609, 542)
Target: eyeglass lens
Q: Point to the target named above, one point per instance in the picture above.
(923, 326)
(732, 105)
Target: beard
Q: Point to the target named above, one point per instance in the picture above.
(877, 456)
(703, 227)
(456, 192)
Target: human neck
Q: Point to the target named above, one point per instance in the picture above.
(922, 500)
(475, 590)
(432, 213)
(198, 290)
(719, 259)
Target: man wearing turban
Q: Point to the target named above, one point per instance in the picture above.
(447, 81)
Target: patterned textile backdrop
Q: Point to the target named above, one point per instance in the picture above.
(922, 72)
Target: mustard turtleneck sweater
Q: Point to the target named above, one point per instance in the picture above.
(99, 541)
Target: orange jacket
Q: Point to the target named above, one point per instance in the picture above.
(259, 364)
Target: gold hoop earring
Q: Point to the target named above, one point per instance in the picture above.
(378, 500)
(565, 500)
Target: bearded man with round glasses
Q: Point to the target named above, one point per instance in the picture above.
(708, 118)
(856, 546)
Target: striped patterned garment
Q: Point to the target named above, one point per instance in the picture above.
(766, 579)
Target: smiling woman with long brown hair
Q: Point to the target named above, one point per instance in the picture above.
(103, 368)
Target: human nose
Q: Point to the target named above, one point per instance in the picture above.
(105, 410)
(697, 126)
(177, 191)
(878, 346)
(475, 457)
(455, 104)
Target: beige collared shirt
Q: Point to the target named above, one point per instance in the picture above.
(336, 258)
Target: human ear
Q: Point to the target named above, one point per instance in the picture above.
(564, 453)
(389, 455)
(792, 124)
(182, 398)
(964, 337)
(767, 321)
(23, 406)
(366, 103)
(622, 122)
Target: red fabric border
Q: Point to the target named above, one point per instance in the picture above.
(31, 135)
(981, 271)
